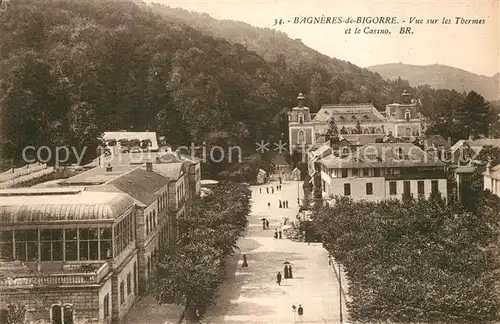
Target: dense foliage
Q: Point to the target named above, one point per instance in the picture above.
(189, 272)
(421, 261)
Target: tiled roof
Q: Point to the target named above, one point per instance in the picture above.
(173, 171)
(362, 139)
(477, 144)
(345, 112)
(98, 175)
(384, 155)
(74, 205)
(140, 184)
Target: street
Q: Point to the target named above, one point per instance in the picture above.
(251, 295)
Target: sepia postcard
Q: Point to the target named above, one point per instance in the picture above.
(239, 162)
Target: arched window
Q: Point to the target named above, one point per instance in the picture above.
(301, 137)
(378, 131)
(366, 131)
(301, 118)
(407, 114)
(61, 314)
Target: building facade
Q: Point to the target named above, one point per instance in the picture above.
(399, 119)
(379, 171)
(492, 179)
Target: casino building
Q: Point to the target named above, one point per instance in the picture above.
(401, 120)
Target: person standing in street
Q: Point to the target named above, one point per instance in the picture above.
(280, 234)
(285, 271)
(300, 313)
(267, 224)
(290, 274)
(275, 233)
(272, 189)
(267, 189)
(245, 264)
(280, 203)
(260, 190)
(278, 278)
(268, 205)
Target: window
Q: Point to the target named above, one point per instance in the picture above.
(106, 249)
(71, 244)
(6, 245)
(366, 172)
(369, 188)
(301, 118)
(421, 188)
(407, 115)
(51, 241)
(61, 314)
(129, 284)
(106, 306)
(376, 172)
(344, 173)
(301, 137)
(89, 248)
(347, 189)
(122, 292)
(123, 233)
(68, 314)
(26, 245)
(393, 188)
(355, 172)
(135, 279)
(56, 314)
(147, 224)
(154, 219)
(435, 186)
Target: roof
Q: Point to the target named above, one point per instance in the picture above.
(98, 175)
(383, 155)
(359, 139)
(141, 136)
(140, 184)
(477, 144)
(125, 159)
(279, 159)
(208, 182)
(345, 112)
(54, 205)
(294, 114)
(433, 141)
(173, 171)
(494, 172)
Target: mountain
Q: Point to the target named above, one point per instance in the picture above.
(323, 79)
(442, 77)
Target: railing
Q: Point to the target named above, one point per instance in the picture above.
(59, 279)
(416, 176)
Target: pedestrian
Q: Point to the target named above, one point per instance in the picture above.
(272, 189)
(290, 273)
(260, 190)
(278, 278)
(285, 271)
(280, 203)
(300, 312)
(286, 203)
(245, 264)
(268, 205)
(275, 233)
(277, 187)
(267, 224)
(263, 223)
(280, 235)
(267, 188)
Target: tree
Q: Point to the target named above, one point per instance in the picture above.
(477, 116)
(332, 134)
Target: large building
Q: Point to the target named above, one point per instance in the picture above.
(399, 120)
(492, 179)
(85, 247)
(378, 171)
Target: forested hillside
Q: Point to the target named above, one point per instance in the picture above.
(324, 79)
(72, 69)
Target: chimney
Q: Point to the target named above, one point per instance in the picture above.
(109, 168)
(449, 141)
(149, 166)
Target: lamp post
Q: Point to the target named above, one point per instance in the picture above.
(340, 294)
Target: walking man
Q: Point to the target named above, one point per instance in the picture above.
(260, 190)
(267, 224)
(245, 264)
(280, 235)
(285, 270)
(300, 313)
(272, 189)
(290, 274)
(278, 278)
(275, 233)
(267, 189)
(268, 205)
(280, 203)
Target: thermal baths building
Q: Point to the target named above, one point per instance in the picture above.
(378, 171)
(87, 248)
(399, 120)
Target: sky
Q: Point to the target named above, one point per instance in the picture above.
(472, 47)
